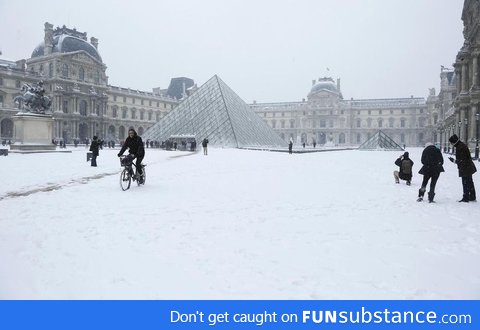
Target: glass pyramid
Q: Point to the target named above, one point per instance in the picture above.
(215, 112)
(380, 141)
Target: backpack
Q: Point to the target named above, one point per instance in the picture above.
(406, 166)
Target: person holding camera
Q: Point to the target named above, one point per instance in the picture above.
(135, 147)
(405, 173)
(466, 168)
(432, 161)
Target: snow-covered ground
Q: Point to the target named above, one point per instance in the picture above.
(236, 224)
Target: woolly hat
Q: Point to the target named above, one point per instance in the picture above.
(453, 139)
(406, 154)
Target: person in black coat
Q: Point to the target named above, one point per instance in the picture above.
(135, 147)
(466, 168)
(405, 164)
(432, 161)
(205, 146)
(94, 146)
(290, 146)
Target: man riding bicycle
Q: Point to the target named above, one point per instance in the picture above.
(135, 147)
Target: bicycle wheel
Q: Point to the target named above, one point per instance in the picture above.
(125, 180)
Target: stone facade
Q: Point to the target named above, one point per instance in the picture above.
(459, 97)
(83, 103)
(326, 118)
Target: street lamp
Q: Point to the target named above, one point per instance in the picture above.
(477, 118)
(466, 130)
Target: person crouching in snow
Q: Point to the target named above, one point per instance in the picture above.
(405, 173)
(432, 161)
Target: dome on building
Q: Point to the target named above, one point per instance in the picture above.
(324, 83)
(65, 42)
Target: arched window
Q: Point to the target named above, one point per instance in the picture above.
(114, 112)
(6, 129)
(97, 77)
(81, 74)
(124, 113)
(391, 122)
(65, 71)
(83, 108)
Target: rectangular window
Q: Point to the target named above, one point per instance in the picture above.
(114, 98)
(1, 81)
(65, 106)
(133, 100)
(1, 101)
(141, 101)
(164, 105)
(18, 84)
(124, 99)
(150, 103)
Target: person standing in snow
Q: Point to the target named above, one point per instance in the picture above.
(405, 164)
(432, 161)
(466, 168)
(290, 146)
(94, 146)
(205, 145)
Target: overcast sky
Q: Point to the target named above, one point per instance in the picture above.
(265, 50)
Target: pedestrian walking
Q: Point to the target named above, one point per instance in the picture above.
(205, 146)
(432, 161)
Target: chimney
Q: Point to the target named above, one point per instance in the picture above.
(94, 42)
(338, 84)
(313, 82)
(48, 39)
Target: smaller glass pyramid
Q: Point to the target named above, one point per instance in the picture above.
(380, 141)
(215, 112)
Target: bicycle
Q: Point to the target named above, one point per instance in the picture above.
(128, 174)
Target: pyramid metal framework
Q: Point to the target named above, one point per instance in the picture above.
(216, 112)
(380, 141)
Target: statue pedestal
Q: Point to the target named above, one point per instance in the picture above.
(32, 133)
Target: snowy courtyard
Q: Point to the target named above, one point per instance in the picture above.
(236, 224)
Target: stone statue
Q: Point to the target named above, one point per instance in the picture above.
(34, 99)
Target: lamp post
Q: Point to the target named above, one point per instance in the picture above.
(465, 120)
(446, 137)
(477, 118)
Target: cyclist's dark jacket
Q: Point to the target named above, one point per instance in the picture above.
(135, 146)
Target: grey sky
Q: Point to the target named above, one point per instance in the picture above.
(265, 50)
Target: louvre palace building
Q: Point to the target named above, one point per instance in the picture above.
(455, 110)
(326, 117)
(83, 103)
